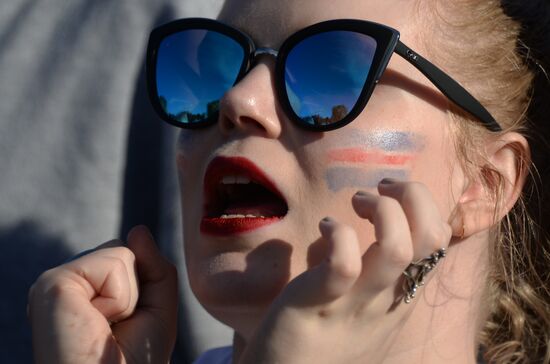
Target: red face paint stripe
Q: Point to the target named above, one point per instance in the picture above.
(356, 155)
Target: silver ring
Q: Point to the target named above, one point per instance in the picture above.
(416, 272)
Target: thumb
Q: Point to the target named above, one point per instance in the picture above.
(157, 275)
(156, 311)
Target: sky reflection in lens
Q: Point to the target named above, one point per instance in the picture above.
(325, 74)
(194, 69)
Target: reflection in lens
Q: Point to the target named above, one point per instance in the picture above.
(326, 73)
(194, 69)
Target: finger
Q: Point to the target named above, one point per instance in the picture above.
(157, 277)
(117, 250)
(335, 275)
(385, 260)
(65, 324)
(429, 231)
(114, 249)
(104, 278)
(342, 266)
(156, 311)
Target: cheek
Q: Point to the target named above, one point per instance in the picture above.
(363, 159)
(186, 145)
(192, 152)
(191, 157)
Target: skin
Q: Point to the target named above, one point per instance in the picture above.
(363, 160)
(309, 289)
(228, 275)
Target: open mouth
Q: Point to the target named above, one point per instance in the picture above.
(239, 197)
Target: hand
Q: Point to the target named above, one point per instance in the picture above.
(114, 305)
(349, 308)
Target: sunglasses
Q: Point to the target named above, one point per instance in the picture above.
(324, 74)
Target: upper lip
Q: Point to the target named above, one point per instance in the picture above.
(222, 166)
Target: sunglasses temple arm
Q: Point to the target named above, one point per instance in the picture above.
(449, 87)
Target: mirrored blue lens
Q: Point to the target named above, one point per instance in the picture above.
(325, 75)
(194, 69)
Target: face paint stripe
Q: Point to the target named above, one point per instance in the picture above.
(339, 178)
(356, 155)
(390, 141)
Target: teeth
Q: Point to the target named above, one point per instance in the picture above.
(230, 180)
(243, 180)
(239, 216)
(232, 216)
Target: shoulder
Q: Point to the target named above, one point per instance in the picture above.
(216, 356)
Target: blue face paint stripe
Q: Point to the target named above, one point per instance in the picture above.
(339, 178)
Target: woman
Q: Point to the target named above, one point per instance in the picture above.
(304, 204)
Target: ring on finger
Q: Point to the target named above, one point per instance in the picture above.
(417, 271)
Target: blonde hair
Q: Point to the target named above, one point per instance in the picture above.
(503, 73)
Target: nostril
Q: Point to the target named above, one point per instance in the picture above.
(249, 122)
(242, 122)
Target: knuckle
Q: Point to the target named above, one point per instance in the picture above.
(122, 305)
(400, 255)
(56, 290)
(50, 288)
(124, 254)
(343, 269)
(437, 236)
(47, 278)
(117, 264)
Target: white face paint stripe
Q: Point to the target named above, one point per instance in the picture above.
(389, 141)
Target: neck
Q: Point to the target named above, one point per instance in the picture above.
(447, 317)
(455, 343)
(447, 339)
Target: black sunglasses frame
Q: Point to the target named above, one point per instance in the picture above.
(387, 43)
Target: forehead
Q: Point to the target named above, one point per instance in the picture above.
(270, 22)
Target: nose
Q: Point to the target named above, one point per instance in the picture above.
(251, 105)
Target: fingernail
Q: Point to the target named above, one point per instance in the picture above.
(388, 181)
(361, 193)
(327, 219)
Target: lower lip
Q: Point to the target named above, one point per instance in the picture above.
(223, 227)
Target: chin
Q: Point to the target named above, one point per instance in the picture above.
(240, 279)
(238, 288)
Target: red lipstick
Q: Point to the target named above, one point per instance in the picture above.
(239, 198)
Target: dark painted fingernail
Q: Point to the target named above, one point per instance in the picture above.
(388, 181)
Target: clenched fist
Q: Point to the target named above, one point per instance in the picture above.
(115, 305)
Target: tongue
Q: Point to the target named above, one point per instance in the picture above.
(266, 209)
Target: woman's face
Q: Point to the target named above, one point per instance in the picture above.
(236, 264)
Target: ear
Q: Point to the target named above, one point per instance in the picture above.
(489, 197)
